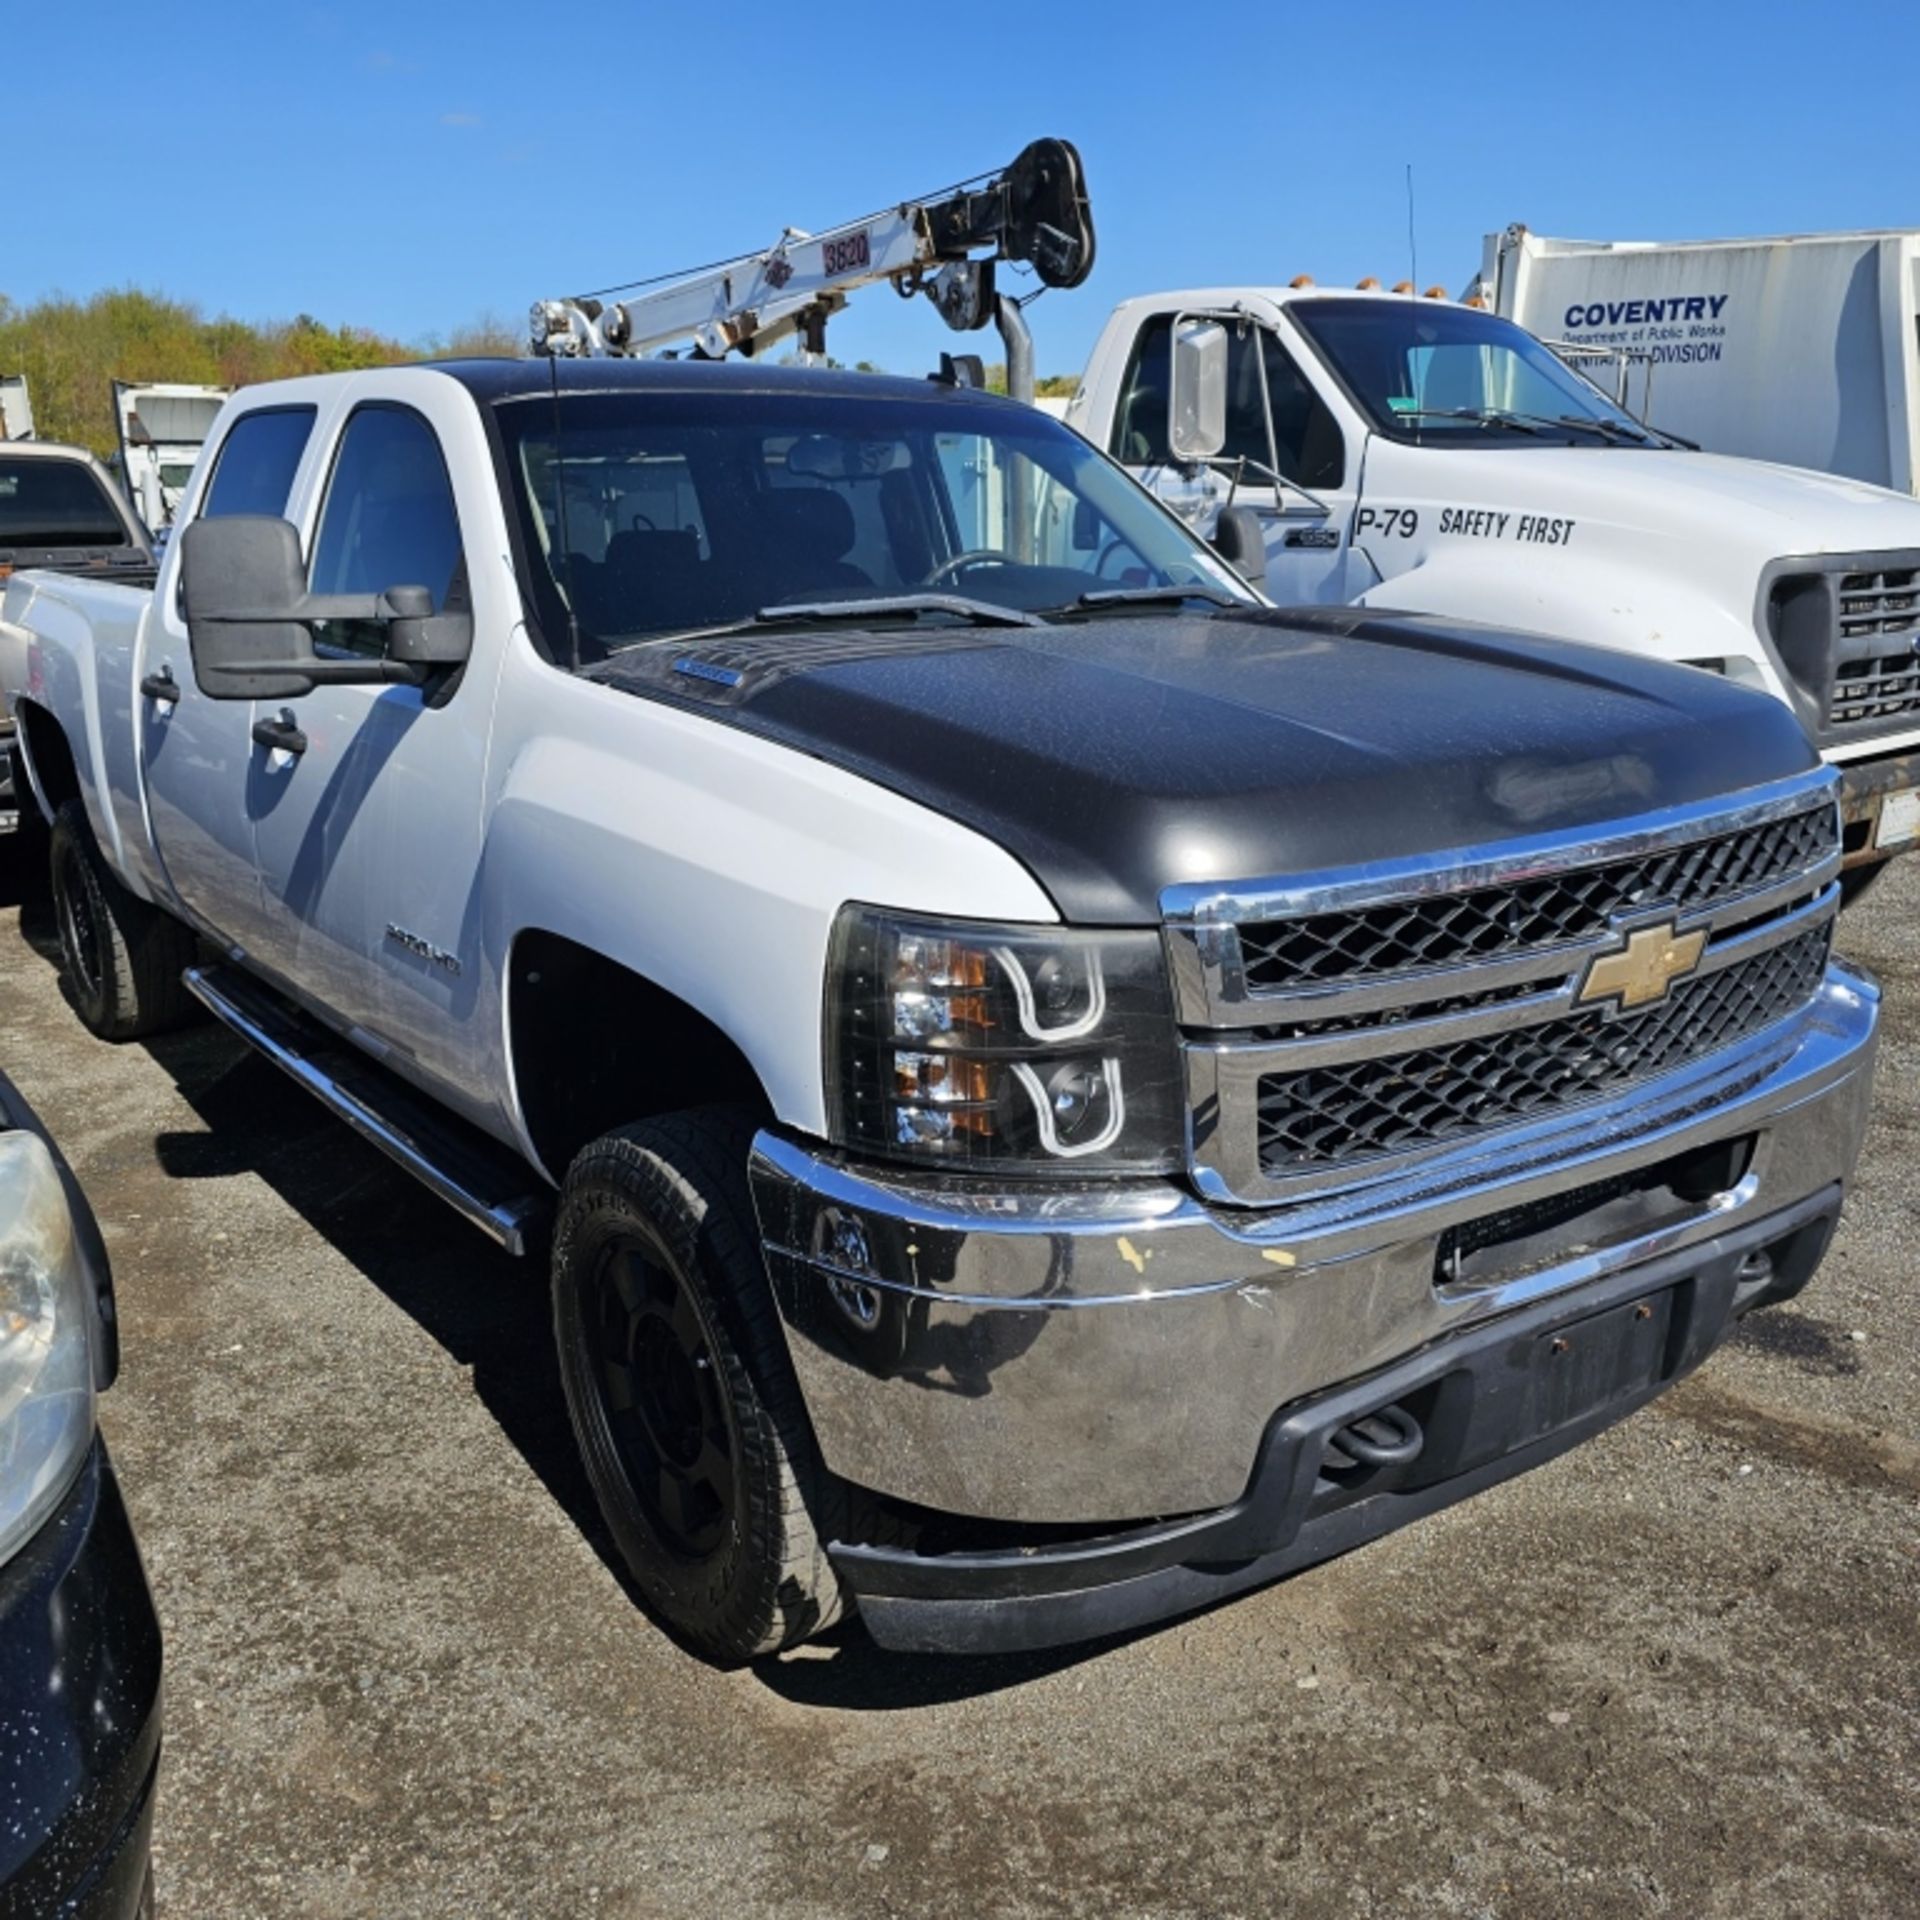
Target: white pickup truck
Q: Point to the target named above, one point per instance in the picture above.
(59, 510)
(1430, 457)
(1070, 1093)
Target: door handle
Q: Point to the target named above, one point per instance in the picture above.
(161, 686)
(279, 735)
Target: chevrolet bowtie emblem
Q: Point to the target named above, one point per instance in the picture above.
(1642, 971)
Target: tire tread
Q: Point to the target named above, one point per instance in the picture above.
(688, 1171)
(144, 950)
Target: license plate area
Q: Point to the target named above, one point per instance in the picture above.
(1899, 818)
(1578, 1370)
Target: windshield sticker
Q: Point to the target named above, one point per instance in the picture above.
(1485, 523)
(1403, 403)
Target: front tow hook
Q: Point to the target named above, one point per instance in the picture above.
(1388, 1437)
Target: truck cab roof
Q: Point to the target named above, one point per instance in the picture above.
(495, 380)
(1211, 299)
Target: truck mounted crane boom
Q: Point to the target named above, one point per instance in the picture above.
(945, 245)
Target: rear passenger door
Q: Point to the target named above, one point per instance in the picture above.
(196, 753)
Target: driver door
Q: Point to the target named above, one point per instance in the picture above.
(1277, 423)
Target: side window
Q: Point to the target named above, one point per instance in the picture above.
(1306, 437)
(388, 519)
(255, 466)
(1140, 421)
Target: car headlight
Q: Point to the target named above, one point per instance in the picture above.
(46, 1342)
(1027, 1048)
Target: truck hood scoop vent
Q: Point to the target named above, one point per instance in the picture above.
(735, 668)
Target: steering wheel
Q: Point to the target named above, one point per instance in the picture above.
(973, 557)
(640, 520)
(1113, 546)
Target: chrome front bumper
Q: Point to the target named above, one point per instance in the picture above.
(1111, 1353)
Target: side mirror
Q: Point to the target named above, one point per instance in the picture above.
(1239, 541)
(250, 618)
(1197, 415)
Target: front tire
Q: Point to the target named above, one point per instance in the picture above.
(122, 957)
(682, 1395)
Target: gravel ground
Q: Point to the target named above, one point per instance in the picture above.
(1671, 1673)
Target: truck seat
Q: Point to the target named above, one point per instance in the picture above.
(805, 535)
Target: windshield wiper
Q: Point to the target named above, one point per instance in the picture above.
(1159, 596)
(1611, 431)
(982, 613)
(1480, 416)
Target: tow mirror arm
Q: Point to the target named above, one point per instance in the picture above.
(250, 618)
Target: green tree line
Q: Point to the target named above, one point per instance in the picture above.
(72, 350)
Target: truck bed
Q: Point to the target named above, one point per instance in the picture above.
(86, 636)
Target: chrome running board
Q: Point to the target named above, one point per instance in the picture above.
(479, 1179)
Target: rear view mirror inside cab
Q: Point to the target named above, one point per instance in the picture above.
(822, 456)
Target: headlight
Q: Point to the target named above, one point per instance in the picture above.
(1027, 1048)
(46, 1342)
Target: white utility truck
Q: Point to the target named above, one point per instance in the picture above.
(1420, 454)
(1802, 349)
(162, 429)
(1055, 1092)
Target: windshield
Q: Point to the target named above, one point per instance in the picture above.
(55, 503)
(1443, 375)
(650, 513)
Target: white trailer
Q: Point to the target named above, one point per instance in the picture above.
(162, 429)
(16, 409)
(1803, 350)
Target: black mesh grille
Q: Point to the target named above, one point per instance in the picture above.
(1883, 686)
(1330, 1114)
(1879, 603)
(1495, 922)
(1876, 673)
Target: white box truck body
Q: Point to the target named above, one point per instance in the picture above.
(1803, 350)
(16, 408)
(162, 429)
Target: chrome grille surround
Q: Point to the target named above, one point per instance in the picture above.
(1756, 873)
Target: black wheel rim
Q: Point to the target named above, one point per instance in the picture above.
(660, 1389)
(79, 940)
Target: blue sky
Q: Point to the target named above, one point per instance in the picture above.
(408, 167)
